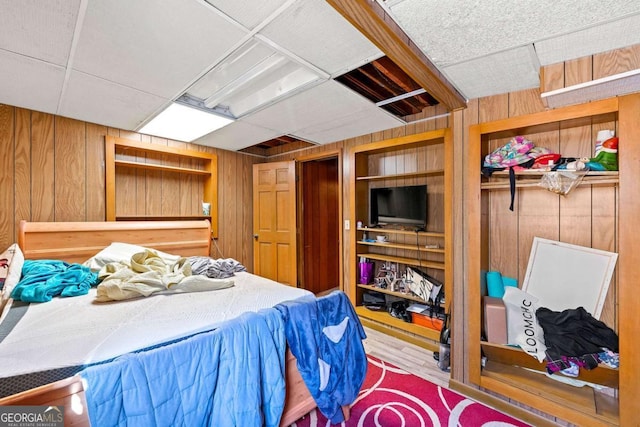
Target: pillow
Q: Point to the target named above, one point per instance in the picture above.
(11, 261)
(122, 252)
(522, 324)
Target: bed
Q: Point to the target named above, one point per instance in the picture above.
(76, 242)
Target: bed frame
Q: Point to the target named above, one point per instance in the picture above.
(76, 242)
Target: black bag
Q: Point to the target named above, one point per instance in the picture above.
(374, 300)
(398, 310)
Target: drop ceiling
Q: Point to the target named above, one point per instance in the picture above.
(119, 62)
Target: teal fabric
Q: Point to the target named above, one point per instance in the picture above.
(44, 279)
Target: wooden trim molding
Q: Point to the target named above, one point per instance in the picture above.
(373, 22)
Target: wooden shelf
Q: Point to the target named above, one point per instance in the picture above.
(497, 238)
(512, 355)
(161, 217)
(590, 178)
(379, 230)
(402, 246)
(401, 260)
(163, 168)
(584, 402)
(409, 296)
(384, 317)
(404, 142)
(437, 172)
(421, 159)
(538, 172)
(205, 168)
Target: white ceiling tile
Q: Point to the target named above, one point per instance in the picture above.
(455, 31)
(322, 103)
(600, 38)
(29, 83)
(39, 29)
(502, 72)
(237, 135)
(248, 13)
(315, 32)
(95, 100)
(155, 46)
(349, 126)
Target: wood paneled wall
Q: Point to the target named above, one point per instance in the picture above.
(587, 216)
(52, 169)
(424, 121)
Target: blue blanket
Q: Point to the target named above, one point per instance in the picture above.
(325, 336)
(44, 279)
(232, 376)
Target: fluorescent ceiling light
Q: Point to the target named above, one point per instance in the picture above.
(253, 76)
(606, 87)
(184, 123)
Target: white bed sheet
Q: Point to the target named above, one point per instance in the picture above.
(77, 331)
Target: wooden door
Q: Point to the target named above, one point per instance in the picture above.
(320, 228)
(274, 221)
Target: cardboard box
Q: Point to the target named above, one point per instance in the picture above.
(495, 320)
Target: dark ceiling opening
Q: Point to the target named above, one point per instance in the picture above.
(383, 82)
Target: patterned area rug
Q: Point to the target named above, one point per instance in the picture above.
(391, 397)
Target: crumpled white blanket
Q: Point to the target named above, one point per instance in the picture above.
(148, 274)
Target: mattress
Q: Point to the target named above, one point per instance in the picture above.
(53, 340)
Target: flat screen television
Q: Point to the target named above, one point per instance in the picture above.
(404, 205)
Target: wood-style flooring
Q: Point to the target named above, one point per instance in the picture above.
(407, 356)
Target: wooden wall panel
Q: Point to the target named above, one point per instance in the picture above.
(22, 165)
(127, 200)
(381, 164)
(95, 172)
(42, 167)
(153, 191)
(70, 171)
(617, 61)
(171, 183)
(577, 71)
(246, 190)
(7, 179)
(59, 176)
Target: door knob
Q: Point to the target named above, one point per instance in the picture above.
(255, 236)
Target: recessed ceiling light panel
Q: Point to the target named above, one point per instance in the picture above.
(184, 123)
(254, 75)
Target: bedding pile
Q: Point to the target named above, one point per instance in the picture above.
(147, 274)
(215, 268)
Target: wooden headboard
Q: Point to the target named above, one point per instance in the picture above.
(78, 241)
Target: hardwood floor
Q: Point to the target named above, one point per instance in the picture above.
(411, 358)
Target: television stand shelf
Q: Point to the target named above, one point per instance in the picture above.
(423, 159)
